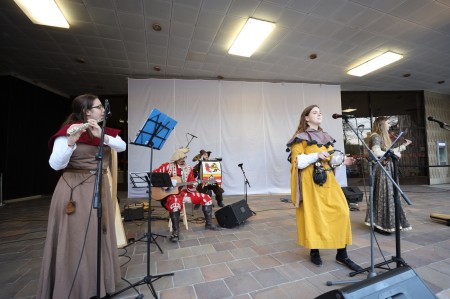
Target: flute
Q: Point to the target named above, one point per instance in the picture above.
(84, 126)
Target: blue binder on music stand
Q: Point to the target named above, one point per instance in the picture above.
(155, 130)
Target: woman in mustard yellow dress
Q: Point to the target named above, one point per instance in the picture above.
(323, 217)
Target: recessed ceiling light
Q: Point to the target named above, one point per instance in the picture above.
(441, 82)
(43, 12)
(407, 75)
(251, 37)
(80, 60)
(220, 77)
(348, 110)
(157, 68)
(375, 64)
(313, 56)
(156, 27)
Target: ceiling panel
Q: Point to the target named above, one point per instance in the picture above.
(110, 40)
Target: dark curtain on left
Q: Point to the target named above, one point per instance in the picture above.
(29, 116)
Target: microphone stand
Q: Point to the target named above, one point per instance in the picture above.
(96, 200)
(246, 182)
(192, 137)
(373, 159)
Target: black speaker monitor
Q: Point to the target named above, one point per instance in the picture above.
(353, 194)
(402, 283)
(234, 214)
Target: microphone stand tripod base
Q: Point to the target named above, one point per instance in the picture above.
(148, 280)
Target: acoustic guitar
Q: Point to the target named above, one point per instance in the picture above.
(159, 193)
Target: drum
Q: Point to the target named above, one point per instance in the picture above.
(211, 173)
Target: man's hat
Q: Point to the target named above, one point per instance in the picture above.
(202, 152)
(199, 156)
(179, 154)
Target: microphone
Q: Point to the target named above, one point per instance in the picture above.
(193, 135)
(240, 164)
(108, 112)
(361, 127)
(441, 124)
(336, 116)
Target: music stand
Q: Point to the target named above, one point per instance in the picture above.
(140, 180)
(160, 179)
(154, 133)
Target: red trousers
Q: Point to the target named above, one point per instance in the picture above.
(173, 203)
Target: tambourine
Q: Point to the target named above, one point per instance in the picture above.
(337, 159)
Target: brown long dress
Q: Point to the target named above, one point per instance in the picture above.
(67, 234)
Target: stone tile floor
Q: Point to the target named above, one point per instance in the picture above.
(258, 259)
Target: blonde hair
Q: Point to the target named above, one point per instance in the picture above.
(380, 129)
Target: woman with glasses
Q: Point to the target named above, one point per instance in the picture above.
(69, 265)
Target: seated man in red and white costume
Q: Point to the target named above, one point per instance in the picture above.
(177, 167)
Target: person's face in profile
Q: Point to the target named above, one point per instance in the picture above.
(181, 161)
(387, 125)
(97, 111)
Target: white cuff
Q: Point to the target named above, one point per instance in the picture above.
(304, 160)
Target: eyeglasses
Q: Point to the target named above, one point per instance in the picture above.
(98, 107)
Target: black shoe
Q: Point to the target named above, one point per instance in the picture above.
(349, 263)
(315, 259)
(383, 232)
(220, 204)
(174, 238)
(213, 227)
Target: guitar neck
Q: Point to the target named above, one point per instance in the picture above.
(180, 184)
(184, 184)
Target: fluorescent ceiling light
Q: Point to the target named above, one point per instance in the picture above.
(43, 12)
(375, 63)
(251, 37)
(348, 110)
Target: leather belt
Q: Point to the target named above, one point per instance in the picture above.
(86, 171)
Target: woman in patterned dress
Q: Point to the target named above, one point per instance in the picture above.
(383, 191)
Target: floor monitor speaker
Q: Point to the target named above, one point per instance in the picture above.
(234, 214)
(352, 194)
(399, 283)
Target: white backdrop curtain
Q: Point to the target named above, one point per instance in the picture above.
(241, 122)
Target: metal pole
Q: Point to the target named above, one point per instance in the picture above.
(1, 190)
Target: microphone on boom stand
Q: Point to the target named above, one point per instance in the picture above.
(441, 123)
(343, 116)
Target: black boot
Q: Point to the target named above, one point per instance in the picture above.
(219, 199)
(315, 257)
(175, 217)
(207, 211)
(342, 258)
